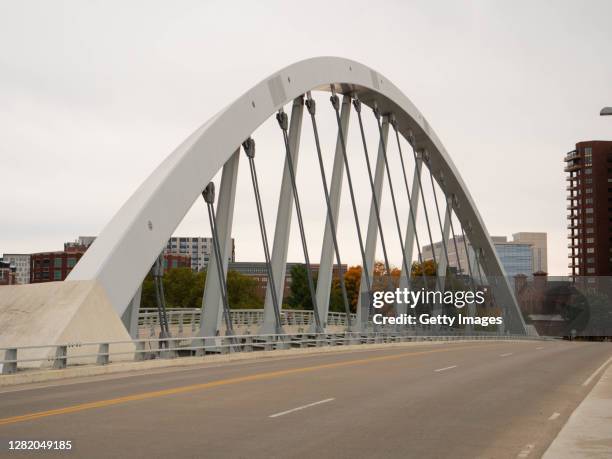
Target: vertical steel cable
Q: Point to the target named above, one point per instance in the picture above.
(357, 105)
(397, 222)
(209, 197)
(433, 187)
(161, 298)
(311, 106)
(281, 117)
(249, 149)
(412, 214)
(336, 105)
(433, 249)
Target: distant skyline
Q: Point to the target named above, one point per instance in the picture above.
(96, 94)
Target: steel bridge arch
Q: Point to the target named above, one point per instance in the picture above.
(123, 253)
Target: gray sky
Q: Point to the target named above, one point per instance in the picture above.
(93, 95)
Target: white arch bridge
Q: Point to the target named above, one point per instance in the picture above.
(112, 270)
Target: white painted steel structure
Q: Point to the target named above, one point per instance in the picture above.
(123, 253)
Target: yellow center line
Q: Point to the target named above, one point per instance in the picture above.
(212, 384)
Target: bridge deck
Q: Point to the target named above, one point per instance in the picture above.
(489, 399)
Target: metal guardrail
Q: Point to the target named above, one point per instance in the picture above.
(63, 355)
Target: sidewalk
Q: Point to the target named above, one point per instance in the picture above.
(588, 431)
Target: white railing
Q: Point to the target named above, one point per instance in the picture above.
(190, 318)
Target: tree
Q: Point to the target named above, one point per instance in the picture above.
(242, 291)
(352, 281)
(184, 289)
(299, 291)
(417, 268)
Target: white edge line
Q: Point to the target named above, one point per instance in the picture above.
(446, 368)
(554, 416)
(301, 407)
(596, 372)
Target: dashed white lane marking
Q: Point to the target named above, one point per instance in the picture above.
(446, 368)
(526, 451)
(596, 372)
(506, 354)
(320, 402)
(554, 416)
(539, 348)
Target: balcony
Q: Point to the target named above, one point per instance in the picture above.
(573, 167)
(572, 155)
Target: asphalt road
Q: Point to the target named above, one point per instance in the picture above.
(488, 399)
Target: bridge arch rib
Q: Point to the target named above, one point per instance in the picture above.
(126, 248)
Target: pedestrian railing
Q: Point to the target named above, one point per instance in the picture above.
(189, 318)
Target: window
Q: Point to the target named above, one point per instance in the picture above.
(588, 156)
(588, 201)
(589, 219)
(588, 170)
(590, 270)
(71, 262)
(57, 262)
(590, 250)
(57, 274)
(590, 240)
(588, 210)
(588, 190)
(591, 260)
(588, 181)
(589, 230)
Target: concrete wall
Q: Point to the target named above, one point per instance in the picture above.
(59, 313)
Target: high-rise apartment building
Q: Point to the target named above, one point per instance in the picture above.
(589, 168)
(199, 248)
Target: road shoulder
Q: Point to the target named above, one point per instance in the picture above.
(588, 431)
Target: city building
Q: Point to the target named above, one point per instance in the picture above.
(7, 273)
(516, 256)
(589, 168)
(21, 262)
(79, 245)
(539, 249)
(200, 250)
(174, 260)
(53, 266)
(258, 270)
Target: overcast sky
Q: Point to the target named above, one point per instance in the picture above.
(93, 95)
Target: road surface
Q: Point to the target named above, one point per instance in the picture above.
(460, 400)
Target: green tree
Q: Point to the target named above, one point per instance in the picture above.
(299, 291)
(184, 289)
(242, 291)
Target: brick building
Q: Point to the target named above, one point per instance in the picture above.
(53, 266)
(589, 168)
